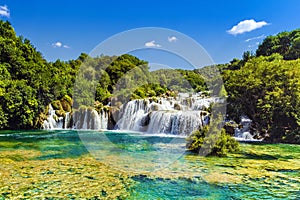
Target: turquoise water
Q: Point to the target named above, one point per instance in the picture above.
(162, 169)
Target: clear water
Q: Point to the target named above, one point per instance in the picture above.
(161, 169)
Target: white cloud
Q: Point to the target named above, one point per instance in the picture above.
(255, 38)
(152, 44)
(172, 39)
(59, 45)
(4, 11)
(66, 46)
(246, 26)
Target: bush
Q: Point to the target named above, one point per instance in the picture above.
(292, 137)
(212, 143)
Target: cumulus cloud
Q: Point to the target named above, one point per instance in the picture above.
(172, 39)
(246, 26)
(4, 11)
(152, 44)
(255, 38)
(59, 45)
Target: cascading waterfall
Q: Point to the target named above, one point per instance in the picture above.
(173, 115)
(81, 119)
(178, 116)
(175, 122)
(100, 120)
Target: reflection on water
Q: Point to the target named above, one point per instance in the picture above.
(142, 167)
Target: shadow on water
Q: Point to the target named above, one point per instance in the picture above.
(265, 156)
(264, 151)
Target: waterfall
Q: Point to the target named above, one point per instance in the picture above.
(178, 116)
(53, 121)
(67, 120)
(100, 121)
(131, 113)
(243, 132)
(175, 122)
(81, 119)
(90, 119)
(103, 119)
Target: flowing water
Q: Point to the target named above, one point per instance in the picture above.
(176, 116)
(127, 165)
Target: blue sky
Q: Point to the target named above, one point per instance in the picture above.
(63, 29)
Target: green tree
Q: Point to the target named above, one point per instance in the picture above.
(212, 142)
(285, 43)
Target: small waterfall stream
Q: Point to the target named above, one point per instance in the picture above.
(53, 121)
(242, 133)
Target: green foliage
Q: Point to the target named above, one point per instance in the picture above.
(195, 79)
(267, 89)
(212, 142)
(286, 44)
(180, 80)
(149, 90)
(213, 80)
(27, 81)
(19, 105)
(122, 65)
(292, 136)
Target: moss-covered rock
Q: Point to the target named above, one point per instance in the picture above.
(230, 127)
(177, 106)
(57, 105)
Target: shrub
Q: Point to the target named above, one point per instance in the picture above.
(214, 143)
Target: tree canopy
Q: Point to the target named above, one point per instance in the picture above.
(286, 44)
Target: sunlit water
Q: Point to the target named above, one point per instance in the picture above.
(162, 169)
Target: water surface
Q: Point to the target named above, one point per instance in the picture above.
(111, 165)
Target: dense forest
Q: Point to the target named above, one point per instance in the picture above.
(264, 85)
